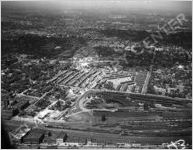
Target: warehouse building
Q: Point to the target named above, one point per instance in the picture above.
(35, 136)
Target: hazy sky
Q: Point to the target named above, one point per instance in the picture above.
(178, 6)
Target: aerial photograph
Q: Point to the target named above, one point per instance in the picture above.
(96, 74)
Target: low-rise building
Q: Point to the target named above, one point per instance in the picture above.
(9, 113)
(35, 136)
(61, 138)
(21, 105)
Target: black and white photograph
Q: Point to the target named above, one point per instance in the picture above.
(96, 74)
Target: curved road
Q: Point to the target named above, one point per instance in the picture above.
(81, 100)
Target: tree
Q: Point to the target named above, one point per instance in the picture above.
(49, 133)
(109, 85)
(57, 96)
(58, 104)
(68, 103)
(146, 106)
(63, 94)
(103, 118)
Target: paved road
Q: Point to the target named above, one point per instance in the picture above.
(80, 102)
(145, 86)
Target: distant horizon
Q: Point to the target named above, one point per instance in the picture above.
(105, 5)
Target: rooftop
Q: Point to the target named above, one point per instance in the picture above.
(34, 133)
